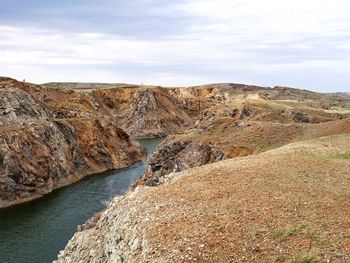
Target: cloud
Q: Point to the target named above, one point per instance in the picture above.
(187, 42)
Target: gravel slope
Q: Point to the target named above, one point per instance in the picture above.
(291, 203)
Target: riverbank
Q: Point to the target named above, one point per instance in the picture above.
(38, 230)
(285, 205)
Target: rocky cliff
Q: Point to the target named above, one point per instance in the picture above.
(152, 111)
(175, 156)
(39, 153)
(41, 157)
(143, 112)
(215, 121)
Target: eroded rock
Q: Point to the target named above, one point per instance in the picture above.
(39, 158)
(38, 155)
(17, 107)
(177, 156)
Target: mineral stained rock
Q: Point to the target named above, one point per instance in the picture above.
(36, 159)
(39, 154)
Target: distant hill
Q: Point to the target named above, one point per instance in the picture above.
(84, 85)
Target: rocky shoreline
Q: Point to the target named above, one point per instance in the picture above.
(53, 136)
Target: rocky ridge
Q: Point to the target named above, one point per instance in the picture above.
(177, 156)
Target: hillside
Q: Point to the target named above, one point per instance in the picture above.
(245, 174)
(284, 205)
(261, 176)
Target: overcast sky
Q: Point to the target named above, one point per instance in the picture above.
(298, 43)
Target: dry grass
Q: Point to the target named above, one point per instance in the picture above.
(308, 257)
(283, 233)
(345, 156)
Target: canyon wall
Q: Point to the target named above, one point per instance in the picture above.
(55, 134)
(39, 153)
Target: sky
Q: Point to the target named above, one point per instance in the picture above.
(299, 43)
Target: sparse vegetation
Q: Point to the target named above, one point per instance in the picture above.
(308, 257)
(283, 233)
(345, 156)
(260, 232)
(268, 207)
(280, 258)
(314, 234)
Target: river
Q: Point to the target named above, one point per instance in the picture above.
(38, 230)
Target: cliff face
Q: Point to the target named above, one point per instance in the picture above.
(36, 159)
(175, 156)
(153, 113)
(39, 154)
(18, 107)
(143, 112)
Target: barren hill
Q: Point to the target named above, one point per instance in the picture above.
(285, 205)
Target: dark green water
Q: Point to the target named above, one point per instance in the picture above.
(37, 231)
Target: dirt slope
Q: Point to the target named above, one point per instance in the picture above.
(285, 205)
